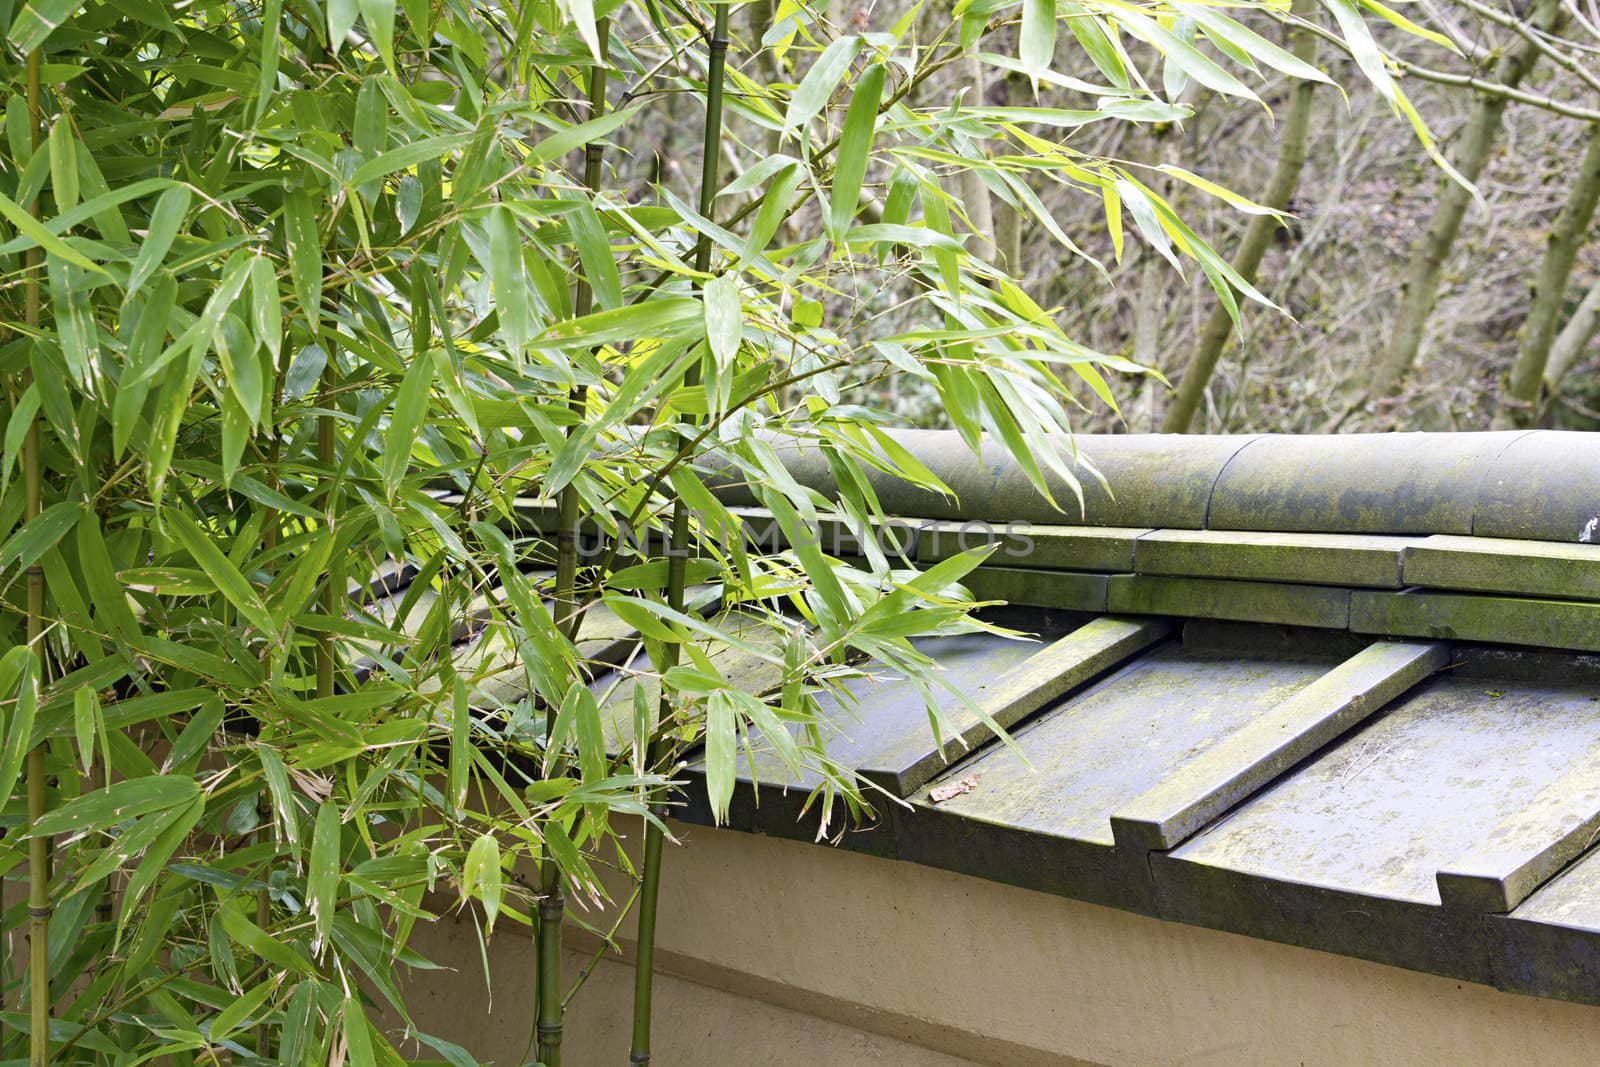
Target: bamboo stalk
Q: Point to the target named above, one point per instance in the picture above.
(1257, 236)
(677, 566)
(38, 847)
(549, 1006)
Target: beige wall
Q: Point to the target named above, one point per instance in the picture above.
(777, 952)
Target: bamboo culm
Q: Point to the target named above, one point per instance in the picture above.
(662, 751)
(38, 847)
(548, 1007)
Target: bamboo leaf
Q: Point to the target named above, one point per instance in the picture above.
(722, 741)
(1037, 39)
(35, 23)
(19, 681)
(32, 228)
(855, 147)
(116, 803)
(481, 876)
(38, 535)
(816, 88)
(405, 422)
(217, 567)
(166, 217)
(379, 18)
(508, 280)
(322, 872)
(341, 20)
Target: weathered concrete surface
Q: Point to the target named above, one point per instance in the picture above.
(1530, 845)
(1033, 545)
(1497, 565)
(1344, 853)
(1039, 814)
(1550, 945)
(1317, 559)
(1064, 590)
(1270, 744)
(1477, 617)
(1545, 486)
(1218, 598)
(1407, 483)
(1149, 480)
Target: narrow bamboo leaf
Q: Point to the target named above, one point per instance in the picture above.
(63, 149)
(322, 872)
(31, 227)
(722, 743)
(460, 744)
(196, 735)
(241, 1010)
(229, 581)
(508, 281)
(568, 138)
(427, 150)
(405, 422)
(304, 246)
(287, 811)
(271, 35)
(266, 308)
(379, 17)
(594, 252)
(38, 535)
(18, 681)
(116, 803)
(176, 825)
(855, 147)
(341, 20)
(1037, 40)
(166, 217)
(1221, 27)
(259, 942)
(815, 89)
(481, 876)
(85, 713)
(357, 1035)
(724, 319)
(36, 22)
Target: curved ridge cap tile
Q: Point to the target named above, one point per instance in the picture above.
(1392, 483)
(1545, 486)
(1150, 480)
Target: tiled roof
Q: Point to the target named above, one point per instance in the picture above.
(1331, 691)
(1328, 691)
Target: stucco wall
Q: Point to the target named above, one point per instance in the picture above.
(777, 952)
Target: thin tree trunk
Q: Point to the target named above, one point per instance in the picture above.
(1519, 402)
(677, 573)
(1257, 236)
(38, 847)
(552, 899)
(1574, 338)
(1420, 284)
(974, 194)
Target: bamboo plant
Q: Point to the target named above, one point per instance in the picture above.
(321, 302)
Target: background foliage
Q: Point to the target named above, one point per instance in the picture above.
(332, 329)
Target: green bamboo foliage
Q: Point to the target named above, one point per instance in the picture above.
(311, 310)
